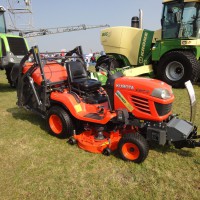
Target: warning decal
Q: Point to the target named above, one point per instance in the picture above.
(124, 101)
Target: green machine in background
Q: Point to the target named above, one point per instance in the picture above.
(171, 53)
(12, 48)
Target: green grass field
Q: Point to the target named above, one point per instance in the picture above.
(35, 165)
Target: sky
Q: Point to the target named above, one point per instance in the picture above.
(59, 13)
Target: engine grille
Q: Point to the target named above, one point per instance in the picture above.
(141, 104)
(17, 46)
(163, 109)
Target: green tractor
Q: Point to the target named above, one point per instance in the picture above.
(172, 53)
(12, 48)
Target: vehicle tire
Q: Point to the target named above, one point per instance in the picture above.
(177, 67)
(133, 147)
(13, 84)
(59, 123)
(106, 151)
(72, 141)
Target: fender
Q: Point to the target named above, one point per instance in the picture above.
(81, 110)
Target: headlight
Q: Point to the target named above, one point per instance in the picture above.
(12, 60)
(11, 57)
(161, 93)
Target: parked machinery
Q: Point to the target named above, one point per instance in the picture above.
(172, 53)
(13, 47)
(125, 116)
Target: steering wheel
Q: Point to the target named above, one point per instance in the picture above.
(104, 64)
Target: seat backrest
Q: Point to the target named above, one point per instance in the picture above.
(76, 70)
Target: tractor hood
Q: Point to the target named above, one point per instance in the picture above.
(144, 86)
(143, 97)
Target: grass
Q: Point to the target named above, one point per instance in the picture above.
(35, 165)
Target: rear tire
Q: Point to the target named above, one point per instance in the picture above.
(59, 123)
(177, 67)
(133, 147)
(13, 84)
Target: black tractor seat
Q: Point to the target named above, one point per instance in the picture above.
(78, 78)
(80, 83)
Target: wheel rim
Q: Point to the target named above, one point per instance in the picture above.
(55, 124)
(174, 71)
(130, 151)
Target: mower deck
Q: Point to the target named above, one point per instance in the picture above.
(90, 142)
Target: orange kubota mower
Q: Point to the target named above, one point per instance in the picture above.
(125, 116)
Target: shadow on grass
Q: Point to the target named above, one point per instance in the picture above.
(171, 149)
(165, 150)
(24, 115)
(5, 87)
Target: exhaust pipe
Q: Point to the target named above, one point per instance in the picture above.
(140, 19)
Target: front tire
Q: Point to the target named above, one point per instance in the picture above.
(59, 123)
(133, 147)
(177, 67)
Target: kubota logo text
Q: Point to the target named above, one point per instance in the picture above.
(123, 86)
